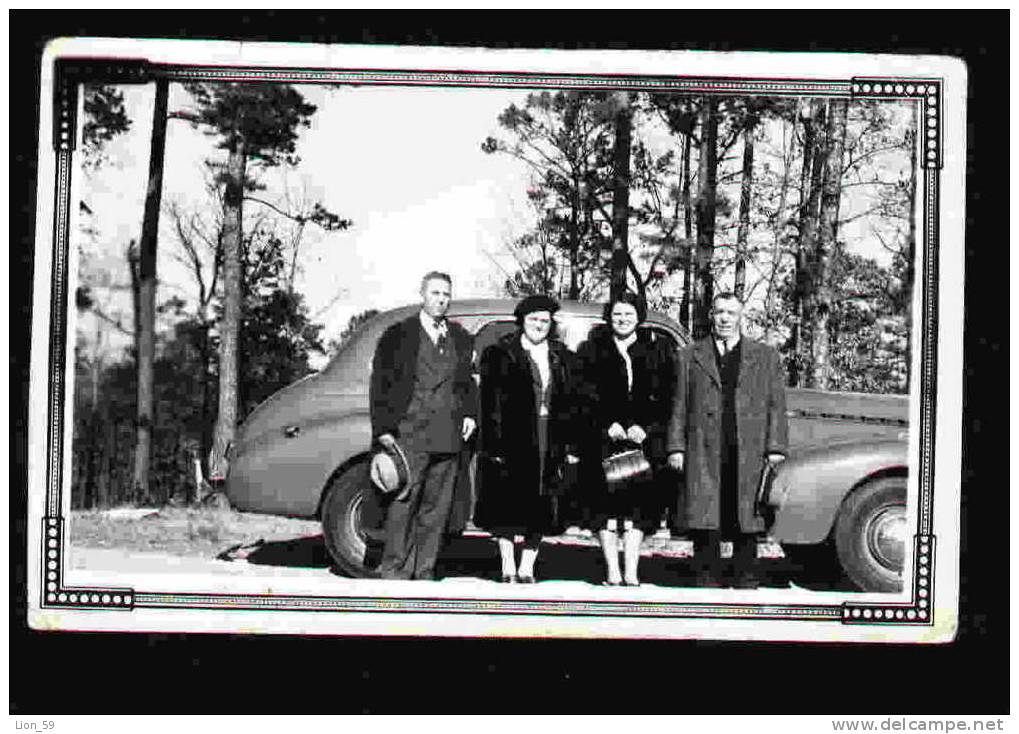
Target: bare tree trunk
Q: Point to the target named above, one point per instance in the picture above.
(704, 284)
(145, 315)
(827, 243)
(809, 197)
(621, 196)
(229, 336)
(105, 494)
(208, 396)
(690, 245)
(571, 123)
(574, 293)
(777, 227)
(746, 191)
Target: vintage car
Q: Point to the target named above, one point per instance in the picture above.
(304, 451)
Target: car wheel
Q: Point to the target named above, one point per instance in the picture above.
(352, 522)
(871, 533)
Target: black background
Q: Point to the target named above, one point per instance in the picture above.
(55, 673)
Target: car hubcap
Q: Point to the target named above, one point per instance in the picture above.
(356, 529)
(886, 537)
(366, 521)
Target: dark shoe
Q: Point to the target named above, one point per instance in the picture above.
(526, 579)
(706, 579)
(746, 580)
(509, 578)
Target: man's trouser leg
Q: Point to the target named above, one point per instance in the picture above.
(398, 555)
(744, 553)
(433, 513)
(707, 553)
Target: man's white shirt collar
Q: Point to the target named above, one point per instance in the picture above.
(720, 344)
(428, 323)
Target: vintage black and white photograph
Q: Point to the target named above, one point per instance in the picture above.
(407, 341)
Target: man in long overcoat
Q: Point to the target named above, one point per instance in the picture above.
(423, 395)
(728, 419)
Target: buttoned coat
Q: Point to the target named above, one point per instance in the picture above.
(392, 384)
(393, 374)
(607, 399)
(695, 428)
(509, 486)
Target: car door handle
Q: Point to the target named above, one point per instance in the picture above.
(291, 431)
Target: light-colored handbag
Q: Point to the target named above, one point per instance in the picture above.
(624, 466)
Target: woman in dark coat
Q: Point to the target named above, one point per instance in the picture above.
(526, 431)
(628, 378)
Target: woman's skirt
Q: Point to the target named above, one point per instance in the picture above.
(640, 501)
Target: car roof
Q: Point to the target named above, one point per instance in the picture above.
(362, 343)
(505, 306)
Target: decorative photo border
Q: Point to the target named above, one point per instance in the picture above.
(927, 92)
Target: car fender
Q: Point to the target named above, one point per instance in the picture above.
(808, 487)
(286, 474)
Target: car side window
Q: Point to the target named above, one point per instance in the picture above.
(490, 333)
(660, 334)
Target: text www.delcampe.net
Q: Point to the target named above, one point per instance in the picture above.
(917, 724)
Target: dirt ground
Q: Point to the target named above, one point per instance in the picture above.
(204, 532)
(254, 544)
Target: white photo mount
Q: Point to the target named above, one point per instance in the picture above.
(926, 610)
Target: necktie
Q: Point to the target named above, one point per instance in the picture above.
(440, 328)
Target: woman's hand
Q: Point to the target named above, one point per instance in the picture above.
(616, 432)
(636, 434)
(572, 459)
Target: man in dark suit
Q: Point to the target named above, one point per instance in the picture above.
(728, 419)
(423, 395)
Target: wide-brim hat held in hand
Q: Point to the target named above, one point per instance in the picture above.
(389, 471)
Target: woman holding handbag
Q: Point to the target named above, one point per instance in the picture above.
(627, 377)
(526, 456)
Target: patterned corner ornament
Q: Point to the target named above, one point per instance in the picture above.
(54, 593)
(65, 111)
(917, 611)
(69, 73)
(927, 92)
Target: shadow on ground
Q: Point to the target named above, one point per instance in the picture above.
(478, 557)
(307, 552)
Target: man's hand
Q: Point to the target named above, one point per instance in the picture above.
(775, 459)
(387, 440)
(636, 434)
(468, 427)
(676, 460)
(616, 432)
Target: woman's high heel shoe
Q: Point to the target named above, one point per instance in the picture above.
(526, 579)
(509, 578)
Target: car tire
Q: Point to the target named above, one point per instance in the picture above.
(871, 534)
(352, 522)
